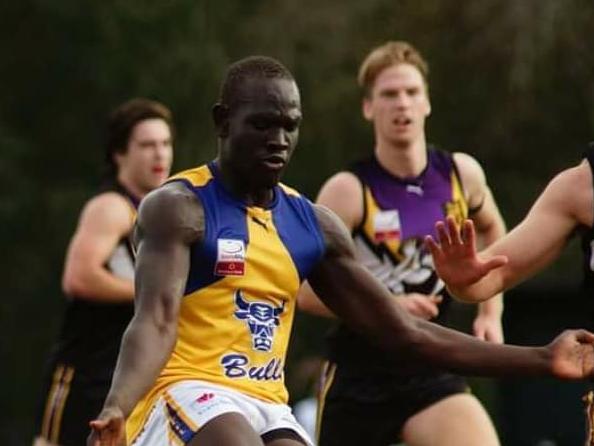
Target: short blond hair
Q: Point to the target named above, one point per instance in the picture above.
(386, 55)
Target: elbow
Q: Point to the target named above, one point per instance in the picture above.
(74, 284)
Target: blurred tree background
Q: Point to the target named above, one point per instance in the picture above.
(512, 82)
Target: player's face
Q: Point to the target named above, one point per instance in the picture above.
(398, 104)
(147, 160)
(263, 128)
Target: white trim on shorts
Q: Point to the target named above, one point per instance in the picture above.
(187, 406)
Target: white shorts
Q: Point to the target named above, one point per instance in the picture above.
(188, 405)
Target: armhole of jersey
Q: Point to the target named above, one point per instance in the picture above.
(471, 210)
(363, 198)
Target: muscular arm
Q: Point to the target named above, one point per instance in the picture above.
(363, 303)
(565, 204)
(170, 219)
(104, 221)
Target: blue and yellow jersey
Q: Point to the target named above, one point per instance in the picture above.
(237, 310)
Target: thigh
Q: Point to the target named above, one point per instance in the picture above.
(458, 419)
(229, 429)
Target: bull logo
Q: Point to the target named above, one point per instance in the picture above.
(261, 318)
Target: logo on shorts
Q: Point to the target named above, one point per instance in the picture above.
(205, 397)
(230, 257)
(261, 318)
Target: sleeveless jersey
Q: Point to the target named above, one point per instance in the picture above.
(587, 235)
(237, 310)
(398, 214)
(91, 331)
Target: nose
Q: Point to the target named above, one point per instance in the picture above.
(278, 140)
(402, 101)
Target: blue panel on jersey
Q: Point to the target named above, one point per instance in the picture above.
(224, 219)
(298, 228)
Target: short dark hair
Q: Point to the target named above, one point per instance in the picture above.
(248, 68)
(123, 119)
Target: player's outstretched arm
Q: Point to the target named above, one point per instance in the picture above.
(170, 220)
(565, 204)
(353, 294)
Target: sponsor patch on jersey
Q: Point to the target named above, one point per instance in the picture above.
(230, 257)
(386, 226)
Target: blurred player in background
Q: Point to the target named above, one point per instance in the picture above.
(99, 272)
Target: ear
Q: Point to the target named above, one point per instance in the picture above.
(367, 109)
(220, 116)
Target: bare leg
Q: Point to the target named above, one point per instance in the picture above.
(459, 419)
(229, 429)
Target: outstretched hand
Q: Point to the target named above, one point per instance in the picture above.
(108, 429)
(455, 257)
(572, 355)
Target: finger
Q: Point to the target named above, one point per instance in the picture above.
(442, 234)
(436, 299)
(453, 231)
(480, 334)
(469, 235)
(98, 424)
(433, 247)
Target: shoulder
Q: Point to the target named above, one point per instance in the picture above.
(172, 210)
(343, 194)
(468, 167)
(572, 190)
(109, 209)
(336, 235)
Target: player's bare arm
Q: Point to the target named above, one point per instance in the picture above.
(170, 220)
(343, 194)
(490, 227)
(564, 205)
(352, 293)
(103, 222)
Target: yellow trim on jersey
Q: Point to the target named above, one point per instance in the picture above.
(197, 176)
(458, 207)
(289, 190)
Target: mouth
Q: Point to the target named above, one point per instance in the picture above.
(401, 121)
(274, 162)
(158, 170)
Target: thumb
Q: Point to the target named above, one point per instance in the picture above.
(584, 337)
(494, 262)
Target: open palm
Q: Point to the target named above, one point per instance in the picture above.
(455, 258)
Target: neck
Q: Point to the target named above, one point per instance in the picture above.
(402, 160)
(248, 192)
(132, 188)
